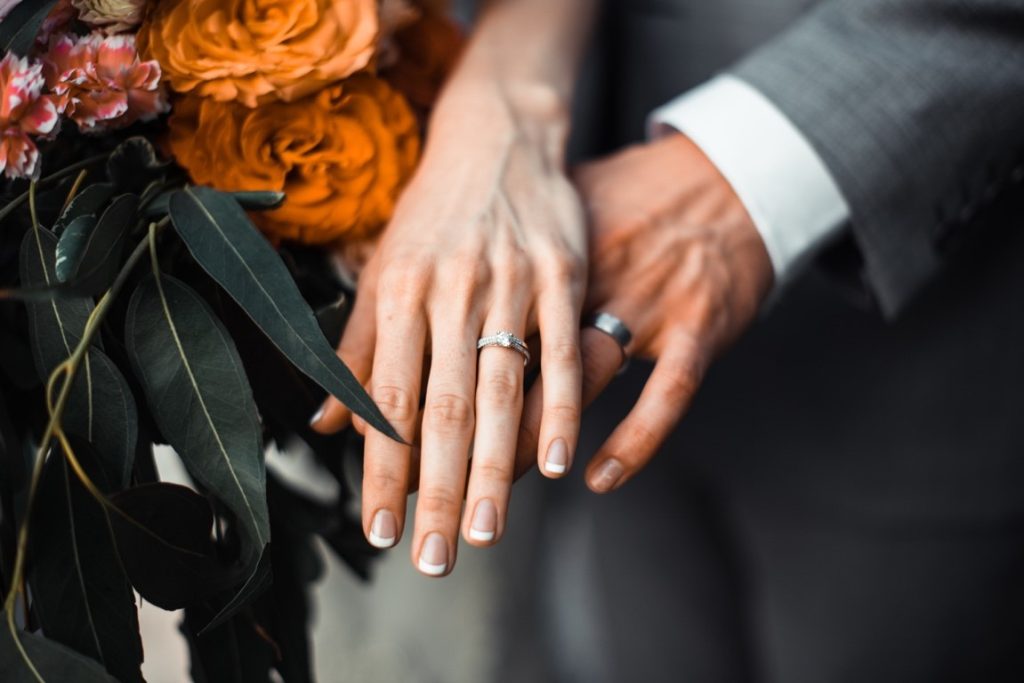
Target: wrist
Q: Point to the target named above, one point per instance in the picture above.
(480, 117)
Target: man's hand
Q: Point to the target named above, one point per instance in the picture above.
(675, 255)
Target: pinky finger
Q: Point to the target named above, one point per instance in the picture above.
(663, 402)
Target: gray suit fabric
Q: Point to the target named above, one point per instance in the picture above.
(845, 500)
(915, 106)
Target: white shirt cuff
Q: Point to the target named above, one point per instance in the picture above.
(785, 187)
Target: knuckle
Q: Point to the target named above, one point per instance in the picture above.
(501, 387)
(562, 352)
(437, 502)
(383, 479)
(468, 270)
(397, 403)
(563, 267)
(405, 279)
(449, 411)
(564, 413)
(644, 440)
(500, 470)
(513, 265)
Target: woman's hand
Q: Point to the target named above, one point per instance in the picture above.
(488, 236)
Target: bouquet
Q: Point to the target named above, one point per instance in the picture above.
(181, 180)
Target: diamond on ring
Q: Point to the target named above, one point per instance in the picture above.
(506, 340)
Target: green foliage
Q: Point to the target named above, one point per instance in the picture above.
(227, 246)
(82, 598)
(116, 334)
(206, 411)
(21, 26)
(52, 661)
(101, 408)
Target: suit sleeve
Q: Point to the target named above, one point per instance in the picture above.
(916, 108)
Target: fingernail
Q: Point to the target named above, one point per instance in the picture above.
(434, 555)
(485, 521)
(384, 529)
(557, 459)
(607, 476)
(316, 416)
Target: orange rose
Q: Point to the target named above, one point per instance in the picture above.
(256, 51)
(341, 156)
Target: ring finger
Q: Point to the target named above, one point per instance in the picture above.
(499, 405)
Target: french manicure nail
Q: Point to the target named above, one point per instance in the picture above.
(607, 476)
(557, 459)
(383, 530)
(485, 521)
(317, 415)
(433, 555)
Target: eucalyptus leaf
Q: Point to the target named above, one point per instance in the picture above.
(166, 545)
(53, 662)
(71, 245)
(20, 27)
(90, 201)
(225, 243)
(93, 264)
(101, 407)
(81, 595)
(258, 582)
(234, 652)
(159, 206)
(259, 201)
(200, 398)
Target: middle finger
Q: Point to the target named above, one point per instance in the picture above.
(448, 419)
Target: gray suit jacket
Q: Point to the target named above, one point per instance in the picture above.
(917, 109)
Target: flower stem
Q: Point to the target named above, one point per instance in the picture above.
(52, 178)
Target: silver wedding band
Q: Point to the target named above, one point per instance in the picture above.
(614, 328)
(506, 340)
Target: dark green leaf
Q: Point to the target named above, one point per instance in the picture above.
(200, 398)
(224, 242)
(255, 585)
(234, 652)
(82, 597)
(259, 201)
(134, 164)
(99, 257)
(89, 202)
(166, 548)
(19, 29)
(71, 245)
(53, 662)
(101, 408)
(159, 206)
(297, 564)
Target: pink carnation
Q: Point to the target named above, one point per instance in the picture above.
(24, 111)
(102, 82)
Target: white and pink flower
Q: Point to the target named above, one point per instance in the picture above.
(24, 112)
(102, 82)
